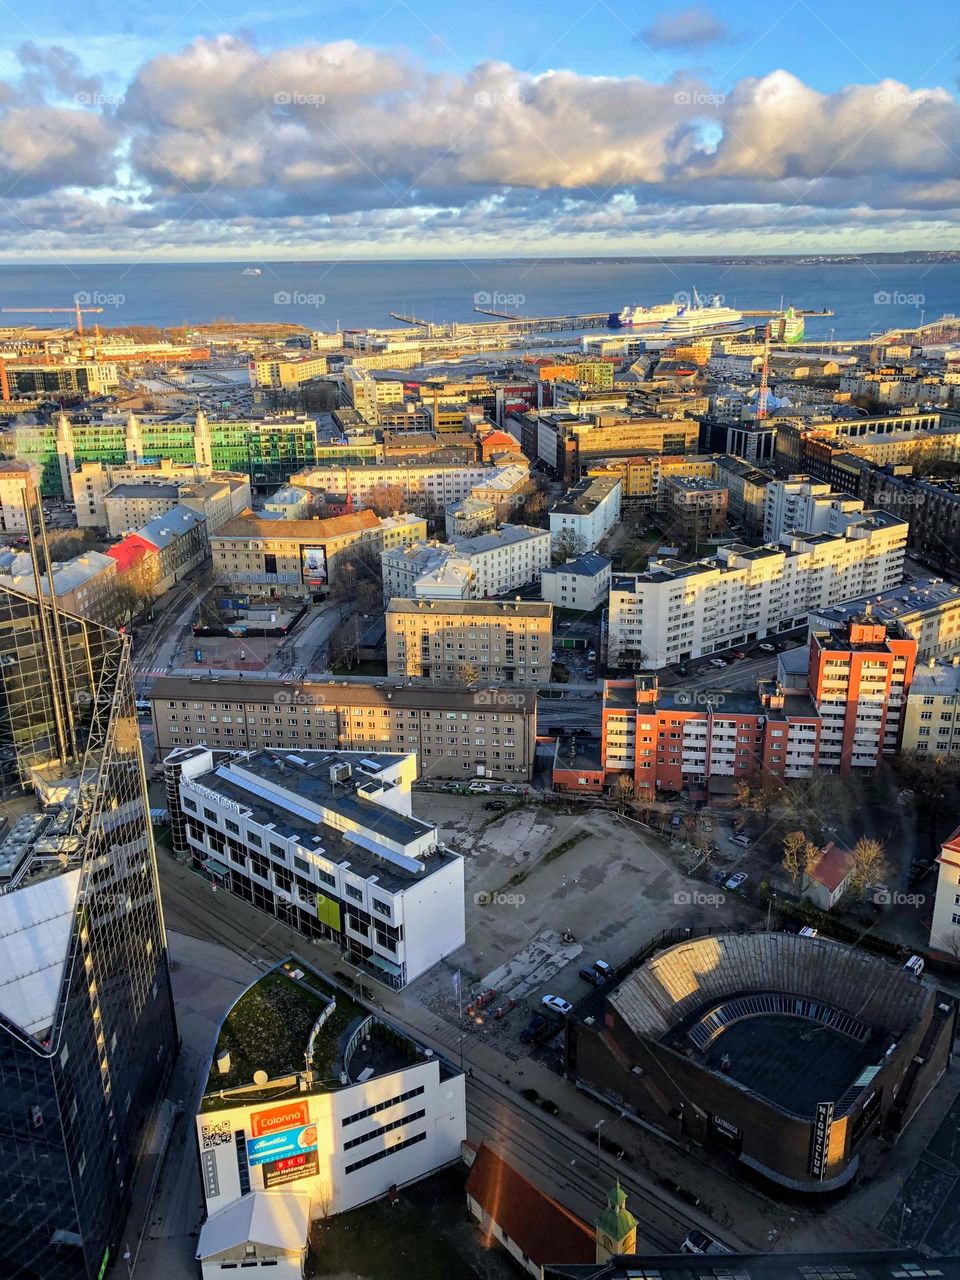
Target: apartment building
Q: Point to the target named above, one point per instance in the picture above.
(280, 372)
(91, 481)
(414, 482)
(807, 506)
(582, 583)
(489, 564)
(366, 394)
(945, 926)
(175, 543)
(676, 611)
(217, 499)
(932, 506)
(470, 641)
(691, 509)
(289, 502)
(348, 1109)
(454, 733)
(304, 555)
(702, 743)
(641, 477)
(325, 840)
(467, 517)
(86, 586)
(858, 678)
(928, 609)
(931, 716)
(746, 487)
(587, 512)
(845, 433)
(18, 484)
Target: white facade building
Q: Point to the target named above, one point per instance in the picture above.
(439, 483)
(326, 841)
(945, 927)
(489, 564)
(806, 506)
(678, 611)
(344, 1106)
(588, 511)
(582, 584)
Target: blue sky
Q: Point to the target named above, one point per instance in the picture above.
(401, 129)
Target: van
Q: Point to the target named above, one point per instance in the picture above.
(742, 840)
(807, 932)
(915, 965)
(700, 1242)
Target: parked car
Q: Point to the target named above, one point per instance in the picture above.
(915, 965)
(592, 976)
(741, 840)
(700, 1242)
(450, 786)
(603, 968)
(557, 1004)
(767, 648)
(534, 1029)
(739, 654)
(480, 787)
(735, 881)
(495, 804)
(808, 932)
(717, 662)
(509, 790)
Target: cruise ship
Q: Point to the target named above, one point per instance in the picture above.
(644, 317)
(700, 317)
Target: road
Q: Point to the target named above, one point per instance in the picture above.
(555, 1151)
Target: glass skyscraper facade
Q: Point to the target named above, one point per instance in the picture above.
(87, 1029)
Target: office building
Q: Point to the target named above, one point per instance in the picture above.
(454, 733)
(347, 1109)
(642, 476)
(490, 564)
(131, 504)
(413, 482)
(469, 641)
(279, 372)
(367, 394)
(582, 583)
(87, 1029)
(677, 611)
(53, 379)
(326, 841)
(566, 442)
(586, 513)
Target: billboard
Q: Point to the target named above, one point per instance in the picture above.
(282, 1145)
(313, 566)
(820, 1141)
(304, 1165)
(292, 1115)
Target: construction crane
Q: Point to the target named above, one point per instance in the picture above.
(764, 392)
(76, 310)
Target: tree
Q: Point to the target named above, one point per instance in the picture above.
(567, 545)
(623, 792)
(699, 828)
(633, 659)
(794, 845)
(469, 673)
(385, 499)
(869, 864)
(534, 505)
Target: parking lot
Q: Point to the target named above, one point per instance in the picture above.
(548, 893)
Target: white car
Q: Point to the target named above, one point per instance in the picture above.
(767, 648)
(717, 662)
(557, 1004)
(480, 786)
(736, 881)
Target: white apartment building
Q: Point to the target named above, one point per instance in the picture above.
(326, 841)
(588, 511)
(439, 483)
(807, 506)
(345, 1106)
(365, 393)
(18, 480)
(470, 641)
(489, 564)
(676, 611)
(582, 584)
(945, 927)
(931, 716)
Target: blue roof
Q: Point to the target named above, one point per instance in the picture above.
(588, 565)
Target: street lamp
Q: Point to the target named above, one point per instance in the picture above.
(600, 1124)
(904, 1212)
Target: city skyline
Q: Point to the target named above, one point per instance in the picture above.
(402, 132)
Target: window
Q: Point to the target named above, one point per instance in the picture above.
(382, 1155)
(209, 815)
(383, 907)
(189, 804)
(382, 1106)
(353, 892)
(234, 827)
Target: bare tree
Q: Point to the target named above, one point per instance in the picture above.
(385, 499)
(794, 846)
(869, 864)
(623, 792)
(567, 545)
(469, 673)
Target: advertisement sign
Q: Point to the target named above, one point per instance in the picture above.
(282, 1145)
(305, 1165)
(314, 566)
(292, 1115)
(820, 1143)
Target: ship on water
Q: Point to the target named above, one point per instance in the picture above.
(644, 317)
(252, 271)
(699, 317)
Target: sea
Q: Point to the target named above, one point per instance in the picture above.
(323, 295)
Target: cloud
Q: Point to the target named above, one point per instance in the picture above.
(691, 28)
(220, 146)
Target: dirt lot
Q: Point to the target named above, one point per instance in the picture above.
(533, 873)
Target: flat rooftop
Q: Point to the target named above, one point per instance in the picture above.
(332, 693)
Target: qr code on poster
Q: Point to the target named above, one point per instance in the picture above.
(215, 1135)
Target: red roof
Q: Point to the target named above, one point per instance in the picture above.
(129, 551)
(833, 868)
(541, 1227)
(950, 849)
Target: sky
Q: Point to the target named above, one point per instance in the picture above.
(194, 129)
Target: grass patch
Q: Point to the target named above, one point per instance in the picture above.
(563, 847)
